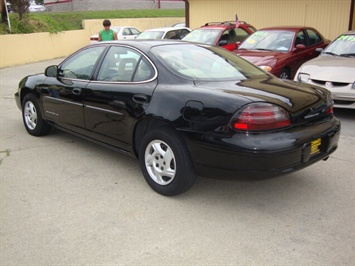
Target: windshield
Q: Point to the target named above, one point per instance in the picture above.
(208, 36)
(275, 40)
(150, 35)
(205, 63)
(344, 45)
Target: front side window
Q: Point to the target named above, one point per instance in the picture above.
(300, 38)
(173, 34)
(126, 32)
(123, 64)
(81, 64)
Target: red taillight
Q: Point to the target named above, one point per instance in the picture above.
(261, 116)
(94, 39)
(329, 110)
(330, 105)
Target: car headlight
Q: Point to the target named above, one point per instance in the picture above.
(302, 77)
(266, 68)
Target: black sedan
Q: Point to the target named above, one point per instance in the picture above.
(183, 110)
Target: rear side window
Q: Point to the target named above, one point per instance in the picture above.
(123, 64)
(135, 31)
(241, 34)
(313, 37)
(183, 33)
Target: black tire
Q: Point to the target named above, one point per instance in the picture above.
(284, 74)
(32, 117)
(165, 162)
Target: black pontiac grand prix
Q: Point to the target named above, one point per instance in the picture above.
(183, 110)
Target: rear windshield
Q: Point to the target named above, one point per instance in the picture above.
(205, 62)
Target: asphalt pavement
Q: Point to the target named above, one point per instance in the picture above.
(66, 201)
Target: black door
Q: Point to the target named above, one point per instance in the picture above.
(63, 95)
(119, 96)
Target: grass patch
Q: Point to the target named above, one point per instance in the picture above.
(64, 21)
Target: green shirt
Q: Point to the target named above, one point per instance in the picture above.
(107, 35)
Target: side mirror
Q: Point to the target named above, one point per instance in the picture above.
(51, 71)
(319, 50)
(300, 46)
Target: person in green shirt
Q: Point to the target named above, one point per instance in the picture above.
(107, 34)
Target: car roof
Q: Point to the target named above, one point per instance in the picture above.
(115, 26)
(166, 28)
(350, 32)
(144, 44)
(291, 28)
(223, 24)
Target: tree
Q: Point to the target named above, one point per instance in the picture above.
(20, 7)
(3, 11)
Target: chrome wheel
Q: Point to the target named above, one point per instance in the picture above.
(30, 115)
(285, 74)
(165, 161)
(160, 162)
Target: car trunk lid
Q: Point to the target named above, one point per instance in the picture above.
(302, 101)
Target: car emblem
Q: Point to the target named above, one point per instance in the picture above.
(328, 84)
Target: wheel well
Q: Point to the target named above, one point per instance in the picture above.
(24, 92)
(145, 126)
(288, 69)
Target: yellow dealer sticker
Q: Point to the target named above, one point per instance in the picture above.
(315, 144)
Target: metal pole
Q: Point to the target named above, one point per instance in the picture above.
(8, 17)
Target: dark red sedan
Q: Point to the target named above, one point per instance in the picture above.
(282, 50)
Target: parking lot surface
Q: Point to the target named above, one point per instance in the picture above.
(66, 201)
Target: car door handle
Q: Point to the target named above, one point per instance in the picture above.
(140, 98)
(77, 91)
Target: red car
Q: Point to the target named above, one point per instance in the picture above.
(282, 50)
(223, 34)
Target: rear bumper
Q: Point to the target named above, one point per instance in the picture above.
(263, 155)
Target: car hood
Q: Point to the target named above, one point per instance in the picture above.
(260, 58)
(330, 68)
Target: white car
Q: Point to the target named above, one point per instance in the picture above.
(123, 32)
(176, 33)
(334, 69)
(36, 8)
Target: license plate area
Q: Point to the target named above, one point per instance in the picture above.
(315, 147)
(312, 149)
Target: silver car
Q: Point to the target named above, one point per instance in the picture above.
(334, 69)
